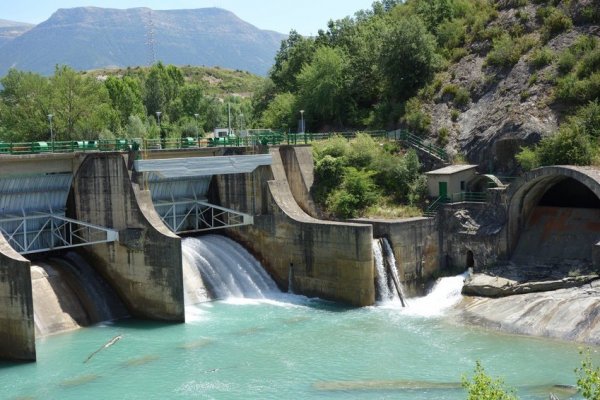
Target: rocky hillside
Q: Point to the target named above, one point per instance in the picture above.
(90, 37)
(501, 92)
(11, 29)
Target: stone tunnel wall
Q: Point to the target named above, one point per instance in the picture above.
(145, 265)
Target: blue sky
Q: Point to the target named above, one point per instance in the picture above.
(306, 16)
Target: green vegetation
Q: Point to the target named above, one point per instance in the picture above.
(483, 387)
(363, 177)
(122, 103)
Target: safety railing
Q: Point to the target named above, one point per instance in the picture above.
(419, 144)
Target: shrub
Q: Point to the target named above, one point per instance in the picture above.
(566, 62)
(462, 97)
(415, 118)
(588, 119)
(442, 138)
(588, 378)
(454, 114)
(541, 57)
(482, 386)
(589, 64)
(329, 172)
(506, 51)
(555, 22)
(336, 146)
(363, 150)
(356, 194)
(574, 91)
(528, 159)
(569, 146)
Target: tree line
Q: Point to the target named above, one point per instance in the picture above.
(81, 106)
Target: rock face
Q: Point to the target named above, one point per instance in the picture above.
(509, 107)
(569, 314)
(90, 37)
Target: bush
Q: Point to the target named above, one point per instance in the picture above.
(555, 22)
(569, 146)
(363, 150)
(541, 57)
(336, 146)
(589, 64)
(454, 114)
(507, 51)
(415, 118)
(356, 194)
(588, 119)
(528, 159)
(483, 387)
(442, 138)
(566, 62)
(588, 378)
(329, 172)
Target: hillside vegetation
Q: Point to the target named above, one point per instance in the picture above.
(482, 78)
(124, 102)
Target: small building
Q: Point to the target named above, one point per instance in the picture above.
(445, 182)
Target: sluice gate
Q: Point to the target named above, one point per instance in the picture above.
(179, 189)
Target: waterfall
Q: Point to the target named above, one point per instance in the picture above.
(68, 293)
(223, 269)
(443, 295)
(389, 287)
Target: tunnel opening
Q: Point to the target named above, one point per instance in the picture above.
(560, 229)
(470, 261)
(569, 193)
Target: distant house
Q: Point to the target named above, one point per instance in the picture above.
(445, 182)
(220, 133)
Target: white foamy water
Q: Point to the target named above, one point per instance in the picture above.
(216, 267)
(445, 293)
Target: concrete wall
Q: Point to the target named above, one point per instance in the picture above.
(329, 260)
(145, 266)
(478, 228)
(299, 170)
(416, 248)
(17, 329)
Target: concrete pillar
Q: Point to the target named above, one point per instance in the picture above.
(145, 265)
(17, 329)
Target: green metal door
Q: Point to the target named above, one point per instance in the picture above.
(443, 189)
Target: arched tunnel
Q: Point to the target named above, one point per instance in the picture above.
(554, 220)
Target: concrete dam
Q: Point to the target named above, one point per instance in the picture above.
(110, 226)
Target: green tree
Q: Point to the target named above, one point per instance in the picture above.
(126, 97)
(295, 52)
(162, 88)
(81, 105)
(25, 106)
(483, 387)
(358, 191)
(279, 113)
(322, 83)
(408, 57)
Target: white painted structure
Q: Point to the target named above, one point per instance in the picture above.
(449, 180)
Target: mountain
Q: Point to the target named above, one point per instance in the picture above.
(11, 29)
(91, 37)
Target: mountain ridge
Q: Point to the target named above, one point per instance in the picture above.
(94, 37)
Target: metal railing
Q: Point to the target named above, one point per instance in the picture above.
(419, 144)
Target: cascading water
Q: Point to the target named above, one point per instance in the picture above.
(443, 295)
(68, 293)
(220, 268)
(389, 287)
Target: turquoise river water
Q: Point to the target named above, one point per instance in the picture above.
(285, 346)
